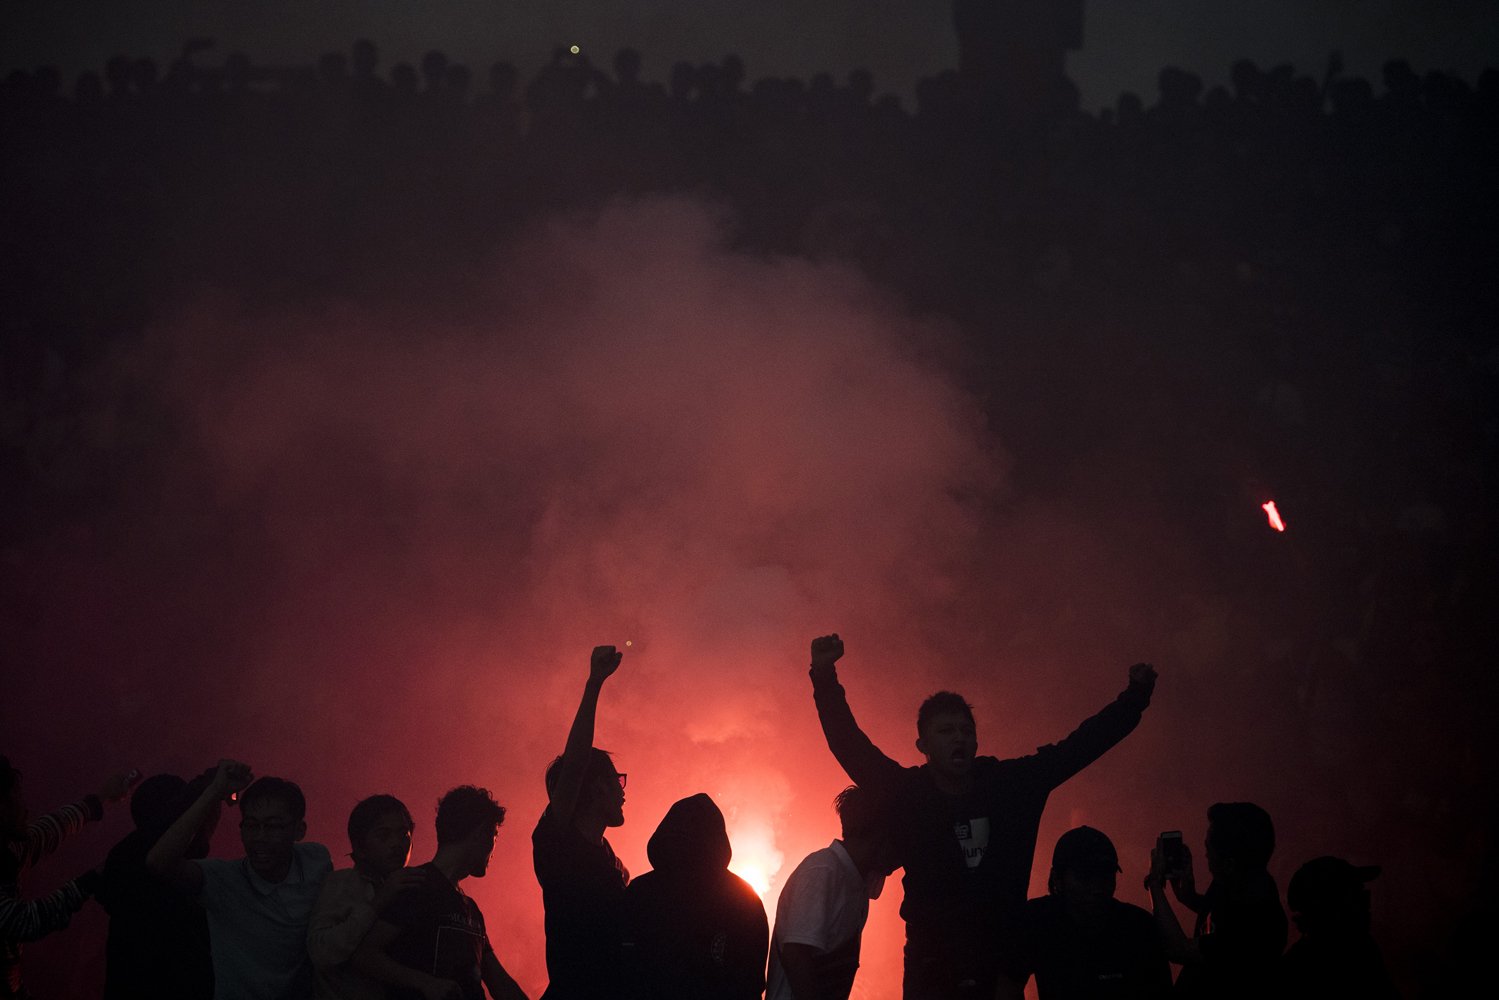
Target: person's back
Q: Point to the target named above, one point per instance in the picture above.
(1336, 954)
(157, 945)
(693, 929)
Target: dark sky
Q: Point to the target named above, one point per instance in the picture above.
(1127, 40)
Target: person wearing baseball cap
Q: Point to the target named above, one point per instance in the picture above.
(1078, 940)
(1336, 953)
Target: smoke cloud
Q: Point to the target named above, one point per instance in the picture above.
(370, 541)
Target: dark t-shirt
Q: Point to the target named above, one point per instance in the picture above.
(967, 859)
(1118, 957)
(158, 937)
(583, 891)
(1241, 937)
(441, 933)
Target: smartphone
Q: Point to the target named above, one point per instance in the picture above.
(1172, 851)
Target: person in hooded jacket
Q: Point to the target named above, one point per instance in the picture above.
(693, 929)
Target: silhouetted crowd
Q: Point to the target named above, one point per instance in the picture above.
(1336, 240)
(280, 923)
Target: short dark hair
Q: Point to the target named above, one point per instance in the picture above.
(597, 761)
(157, 802)
(465, 809)
(1243, 832)
(277, 788)
(369, 811)
(862, 812)
(941, 703)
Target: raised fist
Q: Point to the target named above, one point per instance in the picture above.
(826, 651)
(603, 662)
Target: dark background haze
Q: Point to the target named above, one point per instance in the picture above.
(336, 451)
(900, 40)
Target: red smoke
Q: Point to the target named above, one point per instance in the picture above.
(377, 539)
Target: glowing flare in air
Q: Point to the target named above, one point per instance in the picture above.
(1274, 515)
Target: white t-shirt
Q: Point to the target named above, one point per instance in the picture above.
(824, 904)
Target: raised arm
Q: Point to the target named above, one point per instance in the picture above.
(168, 858)
(46, 833)
(1179, 948)
(569, 788)
(860, 759)
(1098, 734)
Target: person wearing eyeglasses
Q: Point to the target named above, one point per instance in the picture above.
(582, 882)
(258, 906)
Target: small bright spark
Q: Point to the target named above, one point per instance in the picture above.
(1274, 515)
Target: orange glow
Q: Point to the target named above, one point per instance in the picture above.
(1274, 515)
(756, 859)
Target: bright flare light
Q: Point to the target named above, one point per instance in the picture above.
(1274, 515)
(756, 859)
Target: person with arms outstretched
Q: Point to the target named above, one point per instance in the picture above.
(582, 882)
(964, 826)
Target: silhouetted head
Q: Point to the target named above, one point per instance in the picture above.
(272, 818)
(1328, 895)
(864, 816)
(468, 820)
(503, 79)
(603, 786)
(861, 85)
(1240, 838)
(434, 69)
(88, 89)
(333, 67)
(117, 72)
(692, 837)
(946, 734)
(157, 802)
(731, 73)
(366, 58)
(1083, 869)
(380, 834)
(456, 80)
(403, 78)
(627, 66)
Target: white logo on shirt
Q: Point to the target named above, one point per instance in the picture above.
(973, 835)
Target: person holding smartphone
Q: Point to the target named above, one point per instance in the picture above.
(1240, 927)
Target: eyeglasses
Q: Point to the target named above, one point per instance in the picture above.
(621, 776)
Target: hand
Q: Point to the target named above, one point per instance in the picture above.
(1156, 878)
(231, 777)
(395, 884)
(1142, 673)
(826, 651)
(117, 786)
(603, 663)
